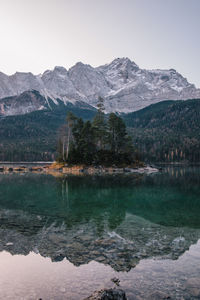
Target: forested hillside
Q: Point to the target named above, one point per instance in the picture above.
(34, 136)
(167, 131)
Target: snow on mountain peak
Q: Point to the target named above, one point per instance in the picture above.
(124, 86)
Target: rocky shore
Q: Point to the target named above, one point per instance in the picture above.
(58, 169)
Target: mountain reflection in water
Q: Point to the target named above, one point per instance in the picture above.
(114, 220)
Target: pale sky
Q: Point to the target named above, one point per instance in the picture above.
(36, 35)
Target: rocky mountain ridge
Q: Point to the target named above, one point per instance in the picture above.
(30, 101)
(124, 86)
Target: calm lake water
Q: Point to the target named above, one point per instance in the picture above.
(64, 237)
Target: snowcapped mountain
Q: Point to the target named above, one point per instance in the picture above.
(124, 86)
(24, 103)
(30, 101)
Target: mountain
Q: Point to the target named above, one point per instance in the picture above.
(167, 131)
(30, 101)
(124, 86)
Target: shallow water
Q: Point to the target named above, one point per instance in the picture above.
(63, 238)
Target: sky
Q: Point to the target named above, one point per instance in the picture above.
(36, 35)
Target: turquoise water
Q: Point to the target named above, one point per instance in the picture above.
(62, 238)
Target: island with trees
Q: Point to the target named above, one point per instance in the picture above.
(101, 142)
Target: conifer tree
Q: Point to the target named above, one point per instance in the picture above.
(118, 138)
(71, 118)
(99, 125)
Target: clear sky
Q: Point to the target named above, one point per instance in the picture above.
(36, 35)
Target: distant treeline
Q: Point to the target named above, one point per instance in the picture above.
(168, 131)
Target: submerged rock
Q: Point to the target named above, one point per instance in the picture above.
(193, 286)
(108, 294)
(158, 295)
(116, 281)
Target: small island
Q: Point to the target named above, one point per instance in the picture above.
(100, 144)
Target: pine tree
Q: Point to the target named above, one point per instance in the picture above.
(88, 145)
(118, 139)
(99, 125)
(71, 118)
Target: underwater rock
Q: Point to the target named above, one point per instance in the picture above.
(108, 294)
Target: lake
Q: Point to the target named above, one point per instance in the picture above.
(65, 237)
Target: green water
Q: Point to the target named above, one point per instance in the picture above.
(109, 225)
(170, 199)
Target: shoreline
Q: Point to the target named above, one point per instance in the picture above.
(62, 169)
(53, 162)
(26, 162)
